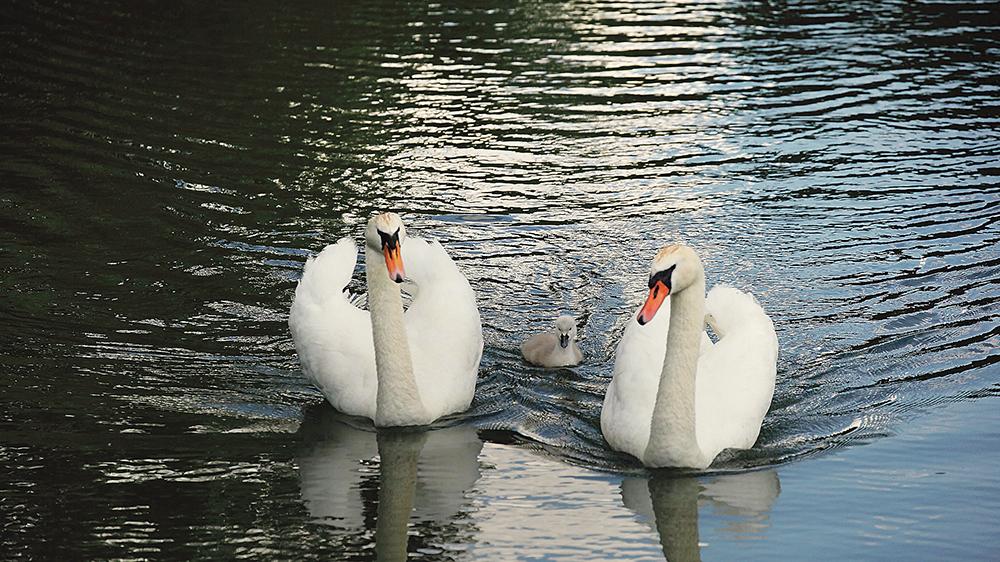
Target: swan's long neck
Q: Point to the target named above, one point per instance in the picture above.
(397, 400)
(672, 439)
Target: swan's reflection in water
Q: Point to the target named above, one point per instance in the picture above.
(358, 480)
(400, 492)
(670, 503)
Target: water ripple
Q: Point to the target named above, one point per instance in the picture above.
(166, 172)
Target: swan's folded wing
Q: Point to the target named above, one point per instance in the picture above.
(734, 310)
(327, 274)
(629, 399)
(736, 377)
(333, 336)
(443, 328)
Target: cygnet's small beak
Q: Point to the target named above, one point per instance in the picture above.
(657, 294)
(563, 340)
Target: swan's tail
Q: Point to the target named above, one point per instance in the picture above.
(730, 310)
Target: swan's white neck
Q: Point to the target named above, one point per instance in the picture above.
(397, 400)
(672, 439)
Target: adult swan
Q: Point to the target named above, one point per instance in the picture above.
(676, 398)
(393, 367)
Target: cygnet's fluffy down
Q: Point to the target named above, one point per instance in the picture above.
(555, 348)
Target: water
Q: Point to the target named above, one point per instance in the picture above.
(167, 169)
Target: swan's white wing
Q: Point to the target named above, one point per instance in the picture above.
(443, 328)
(628, 403)
(333, 337)
(736, 377)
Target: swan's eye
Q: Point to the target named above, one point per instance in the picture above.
(389, 240)
(662, 277)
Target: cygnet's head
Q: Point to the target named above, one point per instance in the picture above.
(674, 269)
(386, 233)
(566, 326)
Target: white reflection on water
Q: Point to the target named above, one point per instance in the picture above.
(671, 506)
(442, 491)
(356, 479)
(565, 511)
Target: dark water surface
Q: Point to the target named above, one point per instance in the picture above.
(166, 169)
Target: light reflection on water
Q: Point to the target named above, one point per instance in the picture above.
(441, 490)
(166, 170)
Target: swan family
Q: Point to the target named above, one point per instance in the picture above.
(677, 397)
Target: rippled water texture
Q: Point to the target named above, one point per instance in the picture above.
(166, 169)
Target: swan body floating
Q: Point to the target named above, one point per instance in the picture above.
(554, 348)
(676, 398)
(397, 368)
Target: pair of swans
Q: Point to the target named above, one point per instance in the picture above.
(676, 399)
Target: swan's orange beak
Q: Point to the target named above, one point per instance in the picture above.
(657, 294)
(394, 262)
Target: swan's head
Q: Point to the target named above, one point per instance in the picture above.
(386, 233)
(566, 327)
(674, 269)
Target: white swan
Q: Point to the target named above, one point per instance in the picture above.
(676, 398)
(397, 369)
